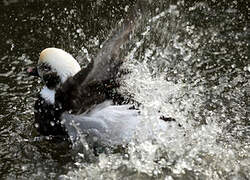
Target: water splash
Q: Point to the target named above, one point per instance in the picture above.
(188, 60)
(168, 78)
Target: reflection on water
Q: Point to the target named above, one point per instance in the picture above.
(188, 60)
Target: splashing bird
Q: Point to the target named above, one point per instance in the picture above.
(74, 101)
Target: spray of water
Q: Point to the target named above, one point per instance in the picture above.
(166, 79)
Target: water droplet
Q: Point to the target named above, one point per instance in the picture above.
(52, 123)
(248, 68)
(79, 31)
(126, 8)
(24, 167)
(36, 125)
(63, 121)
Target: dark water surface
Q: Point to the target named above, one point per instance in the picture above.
(189, 60)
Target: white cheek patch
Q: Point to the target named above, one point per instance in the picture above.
(48, 95)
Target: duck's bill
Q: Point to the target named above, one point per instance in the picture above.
(32, 71)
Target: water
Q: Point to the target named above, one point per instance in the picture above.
(188, 60)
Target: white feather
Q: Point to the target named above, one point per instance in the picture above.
(48, 95)
(107, 124)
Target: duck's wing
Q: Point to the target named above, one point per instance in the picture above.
(86, 88)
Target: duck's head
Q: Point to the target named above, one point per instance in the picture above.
(55, 66)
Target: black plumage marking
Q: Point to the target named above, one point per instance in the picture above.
(51, 79)
(47, 119)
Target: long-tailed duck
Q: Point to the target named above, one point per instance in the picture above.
(77, 101)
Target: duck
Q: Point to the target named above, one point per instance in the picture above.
(77, 101)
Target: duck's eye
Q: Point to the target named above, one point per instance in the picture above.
(46, 68)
